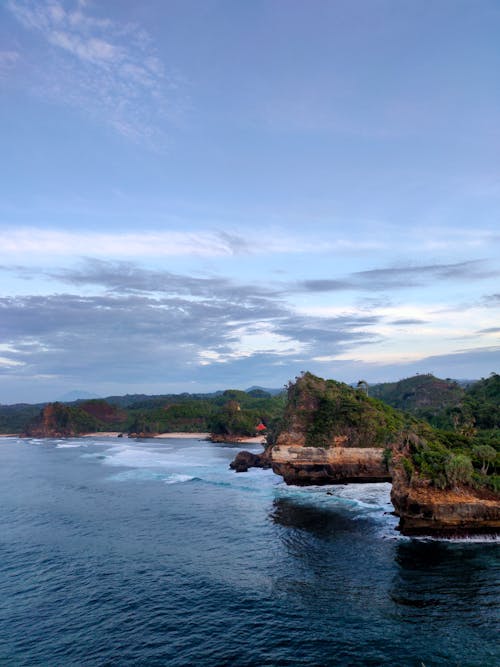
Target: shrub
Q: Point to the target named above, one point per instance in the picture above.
(408, 467)
(458, 469)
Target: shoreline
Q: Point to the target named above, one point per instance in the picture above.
(179, 435)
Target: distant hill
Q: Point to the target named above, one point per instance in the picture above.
(482, 403)
(76, 395)
(223, 412)
(448, 404)
(424, 396)
(267, 390)
(443, 403)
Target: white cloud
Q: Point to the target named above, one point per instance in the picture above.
(108, 70)
(31, 240)
(430, 330)
(111, 245)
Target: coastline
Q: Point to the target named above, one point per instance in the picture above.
(179, 435)
(257, 440)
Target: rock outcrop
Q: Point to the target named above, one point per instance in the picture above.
(331, 433)
(426, 510)
(315, 465)
(245, 460)
(57, 420)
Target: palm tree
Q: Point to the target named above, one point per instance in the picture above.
(362, 384)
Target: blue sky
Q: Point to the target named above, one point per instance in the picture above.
(201, 195)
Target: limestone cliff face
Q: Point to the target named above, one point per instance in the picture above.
(426, 510)
(331, 433)
(316, 465)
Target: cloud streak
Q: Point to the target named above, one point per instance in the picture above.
(144, 244)
(109, 70)
(401, 277)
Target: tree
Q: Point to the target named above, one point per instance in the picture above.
(486, 455)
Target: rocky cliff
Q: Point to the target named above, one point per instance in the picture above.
(331, 433)
(316, 465)
(60, 421)
(426, 510)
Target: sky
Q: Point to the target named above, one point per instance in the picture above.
(197, 195)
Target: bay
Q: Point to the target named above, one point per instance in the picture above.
(116, 552)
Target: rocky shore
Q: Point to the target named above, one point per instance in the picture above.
(341, 419)
(426, 510)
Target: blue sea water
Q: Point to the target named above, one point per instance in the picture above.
(115, 552)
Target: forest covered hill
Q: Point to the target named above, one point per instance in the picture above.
(473, 410)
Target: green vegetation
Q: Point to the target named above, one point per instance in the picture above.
(463, 448)
(13, 418)
(232, 412)
(326, 410)
(445, 404)
(62, 419)
(448, 459)
(447, 434)
(423, 396)
(330, 413)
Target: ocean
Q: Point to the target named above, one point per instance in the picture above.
(117, 552)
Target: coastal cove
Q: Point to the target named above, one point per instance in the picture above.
(155, 552)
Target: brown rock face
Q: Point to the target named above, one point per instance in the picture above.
(245, 460)
(425, 510)
(314, 465)
(331, 434)
(50, 424)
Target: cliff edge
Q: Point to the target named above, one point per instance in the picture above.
(443, 483)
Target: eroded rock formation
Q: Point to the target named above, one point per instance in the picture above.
(316, 465)
(245, 460)
(331, 433)
(426, 510)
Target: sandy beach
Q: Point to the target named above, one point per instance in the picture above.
(257, 440)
